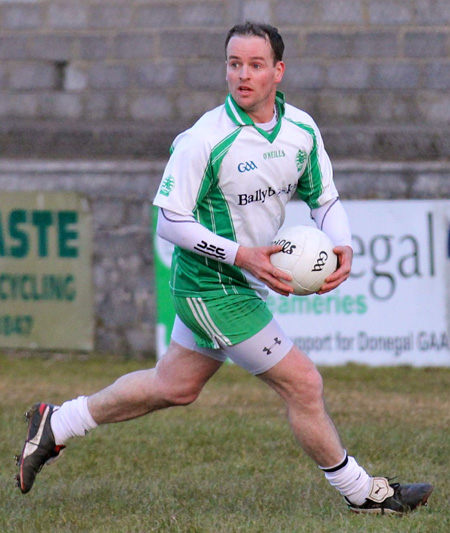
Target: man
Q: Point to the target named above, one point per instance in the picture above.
(222, 200)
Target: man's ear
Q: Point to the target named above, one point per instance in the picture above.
(281, 67)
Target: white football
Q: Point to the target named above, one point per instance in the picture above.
(307, 255)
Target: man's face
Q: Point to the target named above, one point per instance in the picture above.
(252, 75)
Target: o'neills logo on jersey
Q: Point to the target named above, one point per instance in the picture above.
(275, 153)
(261, 195)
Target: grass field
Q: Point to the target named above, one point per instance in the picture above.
(227, 463)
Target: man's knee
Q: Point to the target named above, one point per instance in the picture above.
(296, 378)
(305, 388)
(181, 375)
(313, 384)
(180, 395)
(176, 389)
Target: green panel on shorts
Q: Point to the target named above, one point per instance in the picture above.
(224, 320)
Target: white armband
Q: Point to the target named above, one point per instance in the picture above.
(185, 232)
(332, 219)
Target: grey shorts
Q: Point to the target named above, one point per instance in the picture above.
(257, 354)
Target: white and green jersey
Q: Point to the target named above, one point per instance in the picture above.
(236, 180)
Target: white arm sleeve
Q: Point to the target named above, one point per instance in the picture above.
(187, 233)
(332, 219)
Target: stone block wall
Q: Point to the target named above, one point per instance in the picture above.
(83, 78)
(87, 87)
(119, 195)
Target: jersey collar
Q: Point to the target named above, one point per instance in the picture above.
(240, 117)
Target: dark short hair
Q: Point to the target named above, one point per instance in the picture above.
(266, 31)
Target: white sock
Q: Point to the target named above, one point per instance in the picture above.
(350, 479)
(72, 419)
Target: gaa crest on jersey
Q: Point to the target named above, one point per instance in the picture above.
(247, 166)
(300, 159)
(167, 186)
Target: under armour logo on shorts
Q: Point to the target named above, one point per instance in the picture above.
(269, 350)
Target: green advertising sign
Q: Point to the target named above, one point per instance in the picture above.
(45, 271)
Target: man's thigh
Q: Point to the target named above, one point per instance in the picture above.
(185, 367)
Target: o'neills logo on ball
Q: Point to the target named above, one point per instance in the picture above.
(287, 246)
(320, 262)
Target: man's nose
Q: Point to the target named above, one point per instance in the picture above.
(244, 73)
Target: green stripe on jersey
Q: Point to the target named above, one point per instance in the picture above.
(236, 113)
(240, 117)
(193, 271)
(212, 209)
(310, 185)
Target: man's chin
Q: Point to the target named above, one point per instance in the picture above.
(243, 101)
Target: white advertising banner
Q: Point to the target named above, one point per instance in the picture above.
(394, 308)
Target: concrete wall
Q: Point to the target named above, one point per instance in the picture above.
(83, 78)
